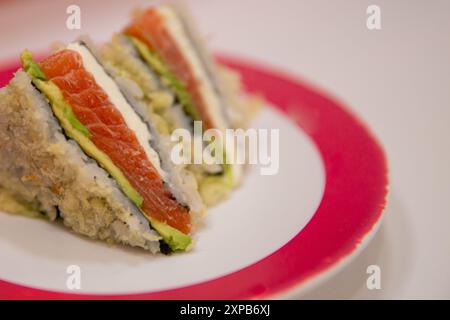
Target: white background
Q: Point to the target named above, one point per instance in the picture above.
(396, 79)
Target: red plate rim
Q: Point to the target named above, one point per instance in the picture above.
(348, 214)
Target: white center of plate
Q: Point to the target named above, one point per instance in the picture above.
(259, 218)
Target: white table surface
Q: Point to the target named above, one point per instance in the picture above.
(396, 79)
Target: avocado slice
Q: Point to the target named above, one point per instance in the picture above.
(176, 240)
(30, 66)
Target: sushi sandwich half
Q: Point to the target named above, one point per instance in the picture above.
(73, 147)
(160, 60)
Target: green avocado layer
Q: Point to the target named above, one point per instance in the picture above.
(77, 131)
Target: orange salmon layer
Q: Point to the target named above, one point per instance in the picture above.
(110, 134)
(150, 28)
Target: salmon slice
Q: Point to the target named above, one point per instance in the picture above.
(150, 28)
(110, 134)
